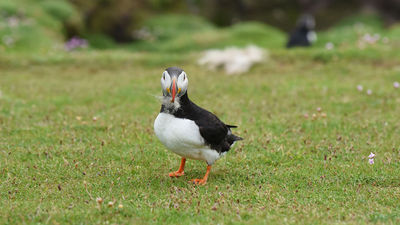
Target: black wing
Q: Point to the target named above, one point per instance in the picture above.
(216, 133)
(212, 129)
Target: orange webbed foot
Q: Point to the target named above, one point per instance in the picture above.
(176, 174)
(198, 181)
(204, 180)
(180, 172)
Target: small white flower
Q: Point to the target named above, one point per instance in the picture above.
(371, 161)
(359, 87)
(329, 46)
(396, 84)
(369, 92)
(372, 155)
(369, 38)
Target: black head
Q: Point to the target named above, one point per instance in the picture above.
(306, 22)
(174, 71)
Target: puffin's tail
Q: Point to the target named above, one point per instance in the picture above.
(237, 138)
(231, 137)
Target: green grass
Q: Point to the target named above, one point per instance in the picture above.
(55, 160)
(289, 169)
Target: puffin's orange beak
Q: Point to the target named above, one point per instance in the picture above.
(173, 90)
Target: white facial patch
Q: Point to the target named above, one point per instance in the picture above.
(182, 83)
(165, 82)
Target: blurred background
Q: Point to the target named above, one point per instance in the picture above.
(187, 25)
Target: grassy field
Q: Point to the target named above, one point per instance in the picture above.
(56, 159)
(78, 126)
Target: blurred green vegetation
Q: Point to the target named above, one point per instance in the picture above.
(350, 30)
(43, 26)
(35, 25)
(183, 38)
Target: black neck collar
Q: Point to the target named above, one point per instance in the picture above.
(184, 100)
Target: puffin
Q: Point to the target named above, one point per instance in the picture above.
(304, 34)
(187, 129)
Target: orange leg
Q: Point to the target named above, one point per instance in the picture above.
(204, 180)
(180, 171)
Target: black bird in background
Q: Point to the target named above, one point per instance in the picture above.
(304, 34)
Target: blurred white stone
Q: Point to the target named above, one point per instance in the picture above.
(234, 60)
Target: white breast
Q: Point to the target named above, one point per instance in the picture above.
(182, 136)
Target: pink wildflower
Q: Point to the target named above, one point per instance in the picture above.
(371, 156)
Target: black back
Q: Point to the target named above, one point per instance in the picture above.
(216, 134)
